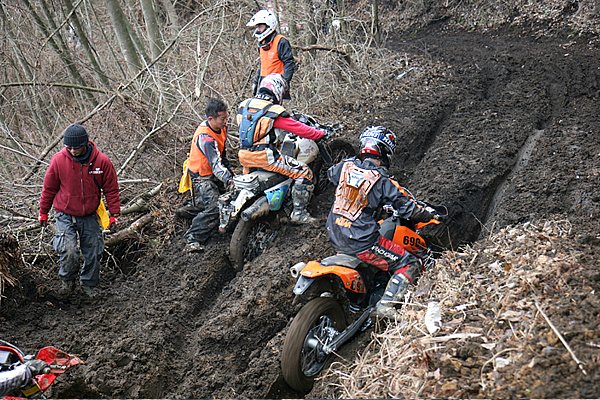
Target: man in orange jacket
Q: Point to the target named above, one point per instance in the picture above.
(210, 173)
(276, 56)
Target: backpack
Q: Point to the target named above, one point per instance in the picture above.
(250, 118)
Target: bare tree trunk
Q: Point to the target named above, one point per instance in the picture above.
(59, 46)
(156, 44)
(120, 25)
(311, 33)
(111, 49)
(87, 46)
(132, 28)
(39, 116)
(375, 31)
(172, 14)
(291, 8)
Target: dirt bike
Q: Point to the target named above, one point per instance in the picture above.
(58, 362)
(261, 200)
(342, 291)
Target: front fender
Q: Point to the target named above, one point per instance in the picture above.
(302, 285)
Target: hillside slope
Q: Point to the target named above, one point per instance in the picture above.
(501, 127)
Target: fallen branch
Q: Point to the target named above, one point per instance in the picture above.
(141, 203)
(562, 339)
(446, 338)
(322, 47)
(341, 52)
(22, 154)
(127, 233)
(54, 84)
(141, 180)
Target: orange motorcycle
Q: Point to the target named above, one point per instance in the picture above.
(342, 292)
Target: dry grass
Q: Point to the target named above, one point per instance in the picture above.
(9, 256)
(504, 302)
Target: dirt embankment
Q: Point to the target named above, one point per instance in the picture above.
(503, 130)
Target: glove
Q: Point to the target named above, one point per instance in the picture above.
(38, 367)
(43, 219)
(422, 215)
(325, 135)
(440, 217)
(112, 222)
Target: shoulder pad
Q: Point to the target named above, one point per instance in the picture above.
(279, 110)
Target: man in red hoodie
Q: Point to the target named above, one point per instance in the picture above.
(73, 184)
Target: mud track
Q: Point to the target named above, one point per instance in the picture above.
(507, 133)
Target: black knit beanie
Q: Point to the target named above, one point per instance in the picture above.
(75, 136)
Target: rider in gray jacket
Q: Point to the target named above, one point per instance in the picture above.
(363, 188)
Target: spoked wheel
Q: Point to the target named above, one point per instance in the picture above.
(315, 325)
(250, 239)
(340, 150)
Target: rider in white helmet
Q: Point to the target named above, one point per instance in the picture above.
(259, 120)
(276, 56)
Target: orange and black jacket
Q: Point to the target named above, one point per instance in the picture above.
(207, 153)
(352, 237)
(277, 58)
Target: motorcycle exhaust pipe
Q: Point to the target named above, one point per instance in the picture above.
(256, 210)
(296, 269)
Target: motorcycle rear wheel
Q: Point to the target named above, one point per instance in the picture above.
(302, 357)
(250, 239)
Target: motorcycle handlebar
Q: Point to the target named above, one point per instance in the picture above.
(312, 122)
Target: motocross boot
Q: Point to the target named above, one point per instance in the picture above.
(193, 247)
(301, 194)
(394, 293)
(89, 291)
(66, 288)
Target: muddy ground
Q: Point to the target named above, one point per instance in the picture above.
(504, 130)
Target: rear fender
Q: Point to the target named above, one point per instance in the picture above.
(350, 278)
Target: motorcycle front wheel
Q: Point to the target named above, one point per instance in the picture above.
(250, 239)
(339, 150)
(302, 357)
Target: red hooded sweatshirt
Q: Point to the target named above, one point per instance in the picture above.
(74, 188)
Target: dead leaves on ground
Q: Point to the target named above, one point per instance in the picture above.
(505, 303)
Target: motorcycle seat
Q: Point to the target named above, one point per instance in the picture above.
(344, 260)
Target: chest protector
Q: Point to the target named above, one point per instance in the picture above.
(351, 195)
(269, 59)
(255, 118)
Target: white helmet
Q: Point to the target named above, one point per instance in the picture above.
(275, 85)
(263, 17)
